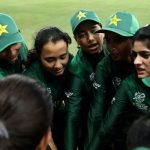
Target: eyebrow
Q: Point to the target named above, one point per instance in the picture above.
(53, 56)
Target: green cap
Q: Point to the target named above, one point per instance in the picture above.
(81, 16)
(9, 32)
(122, 23)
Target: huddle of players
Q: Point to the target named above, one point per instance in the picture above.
(98, 92)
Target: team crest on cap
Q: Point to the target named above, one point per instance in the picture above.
(81, 15)
(114, 20)
(3, 29)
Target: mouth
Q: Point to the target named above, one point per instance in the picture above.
(93, 47)
(115, 56)
(59, 71)
(140, 71)
(12, 59)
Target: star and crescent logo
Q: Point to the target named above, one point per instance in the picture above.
(3, 29)
(81, 15)
(114, 20)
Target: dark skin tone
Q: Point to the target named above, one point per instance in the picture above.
(87, 39)
(119, 47)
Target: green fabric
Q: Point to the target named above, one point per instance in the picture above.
(141, 148)
(57, 86)
(146, 81)
(108, 77)
(9, 32)
(52, 83)
(81, 16)
(8, 69)
(122, 23)
(132, 93)
(79, 96)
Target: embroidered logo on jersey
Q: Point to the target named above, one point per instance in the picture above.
(116, 82)
(68, 94)
(96, 85)
(92, 76)
(114, 20)
(139, 99)
(49, 90)
(113, 100)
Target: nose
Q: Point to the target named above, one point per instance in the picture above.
(13, 52)
(112, 49)
(111, 46)
(58, 64)
(137, 60)
(90, 36)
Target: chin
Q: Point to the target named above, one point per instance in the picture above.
(141, 76)
(59, 74)
(12, 62)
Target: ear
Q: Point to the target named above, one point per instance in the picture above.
(77, 41)
(44, 141)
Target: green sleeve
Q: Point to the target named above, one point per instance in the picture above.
(73, 108)
(2, 74)
(96, 111)
(119, 103)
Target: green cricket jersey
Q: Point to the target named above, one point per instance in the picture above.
(108, 76)
(7, 68)
(78, 98)
(56, 85)
(131, 100)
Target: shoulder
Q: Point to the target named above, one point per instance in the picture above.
(105, 61)
(3, 73)
(79, 64)
(104, 64)
(132, 82)
(34, 69)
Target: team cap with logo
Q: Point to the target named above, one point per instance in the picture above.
(81, 16)
(122, 23)
(9, 32)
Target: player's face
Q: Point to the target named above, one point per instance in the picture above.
(11, 53)
(141, 59)
(119, 46)
(54, 57)
(87, 39)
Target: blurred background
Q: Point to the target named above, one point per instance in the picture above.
(32, 15)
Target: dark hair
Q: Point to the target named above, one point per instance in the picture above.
(139, 133)
(143, 34)
(45, 35)
(50, 34)
(25, 113)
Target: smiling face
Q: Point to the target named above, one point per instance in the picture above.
(87, 39)
(11, 53)
(141, 58)
(54, 57)
(119, 46)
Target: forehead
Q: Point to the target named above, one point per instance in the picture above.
(140, 46)
(12, 46)
(113, 34)
(87, 24)
(55, 49)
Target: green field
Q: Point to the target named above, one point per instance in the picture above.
(31, 15)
